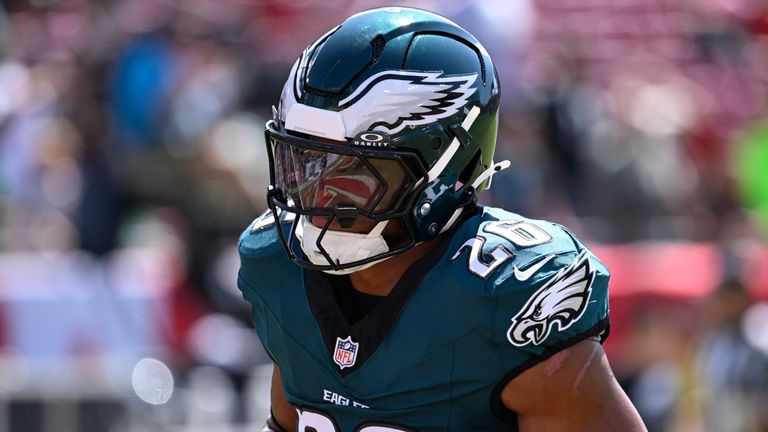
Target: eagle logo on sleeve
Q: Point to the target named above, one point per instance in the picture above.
(562, 300)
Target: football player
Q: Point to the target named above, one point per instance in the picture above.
(388, 299)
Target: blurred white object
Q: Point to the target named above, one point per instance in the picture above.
(754, 325)
(222, 341)
(211, 395)
(152, 381)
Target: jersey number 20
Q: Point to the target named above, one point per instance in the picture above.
(313, 421)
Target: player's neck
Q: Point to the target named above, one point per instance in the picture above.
(381, 278)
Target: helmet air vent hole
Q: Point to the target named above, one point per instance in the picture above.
(469, 168)
(435, 143)
(377, 46)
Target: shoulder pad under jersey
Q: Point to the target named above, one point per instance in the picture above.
(260, 238)
(550, 290)
(263, 261)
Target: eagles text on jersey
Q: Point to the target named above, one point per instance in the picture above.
(498, 295)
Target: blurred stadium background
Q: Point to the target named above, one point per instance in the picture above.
(131, 157)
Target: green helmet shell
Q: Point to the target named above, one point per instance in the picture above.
(415, 77)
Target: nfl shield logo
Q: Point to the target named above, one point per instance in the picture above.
(345, 353)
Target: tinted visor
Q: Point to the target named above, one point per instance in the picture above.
(322, 177)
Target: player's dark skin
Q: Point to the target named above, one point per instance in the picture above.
(574, 390)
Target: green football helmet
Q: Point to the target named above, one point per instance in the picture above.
(384, 134)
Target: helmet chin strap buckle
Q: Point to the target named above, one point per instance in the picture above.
(461, 134)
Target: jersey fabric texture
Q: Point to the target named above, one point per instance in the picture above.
(498, 295)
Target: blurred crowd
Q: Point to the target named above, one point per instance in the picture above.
(132, 155)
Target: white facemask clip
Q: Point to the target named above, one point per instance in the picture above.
(489, 173)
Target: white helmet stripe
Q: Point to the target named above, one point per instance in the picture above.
(315, 121)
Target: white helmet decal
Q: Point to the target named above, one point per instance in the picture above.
(386, 102)
(391, 100)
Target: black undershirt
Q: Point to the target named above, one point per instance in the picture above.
(353, 304)
(343, 312)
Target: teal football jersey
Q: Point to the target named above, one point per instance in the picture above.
(498, 295)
